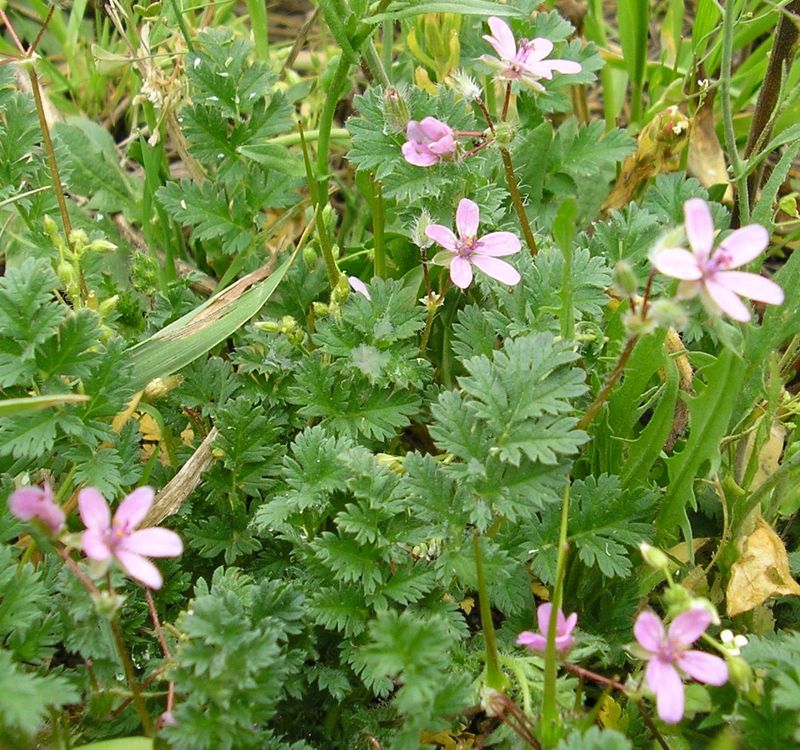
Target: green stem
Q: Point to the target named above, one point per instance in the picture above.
(495, 679)
(259, 24)
(375, 64)
(550, 718)
(727, 110)
(176, 9)
(130, 675)
(769, 484)
(378, 229)
(516, 199)
(387, 38)
(293, 139)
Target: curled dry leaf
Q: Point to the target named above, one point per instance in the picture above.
(706, 160)
(761, 572)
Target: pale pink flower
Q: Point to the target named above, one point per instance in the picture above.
(564, 628)
(706, 270)
(527, 63)
(668, 653)
(428, 142)
(468, 250)
(358, 286)
(106, 538)
(28, 503)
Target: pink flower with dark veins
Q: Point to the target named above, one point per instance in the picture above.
(525, 63)
(107, 539)
(705, 270)
(469, 250)
(28, 503)
(668, 653)
(428, 142)
(564, 628)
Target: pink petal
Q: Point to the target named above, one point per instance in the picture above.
(570, 623)
(534, 641)
(649, 631)
(460, 272)
(704, 667)
(94, 544)
(538, 49)
(557, 66)
(467, 218)
(498, 243)
(564, 642)
(442, 235)
(503, 41)
(414, 132)
(435, 129)
(154, 542)
(93, 508)
(358, 286)
(699, 226)
(744, 244)
(726, 301)
(134, 507)
(497, 269)
(663, 679)
(139, 568)
(418, 154)
(543, 616)
(444, 145)
(688, 626)
(678, 263)
(751, 285)
(53, 516)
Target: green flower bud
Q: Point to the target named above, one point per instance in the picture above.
(310, 256)
(101, 246)
(108, 306)
(654, 557)
(421, 223)
(505, 133)
(667, 314)
(395, 111)
(625, 279)
(740, 674)
(68, 275)
(270, 326)
(107, 605)
(321, 310)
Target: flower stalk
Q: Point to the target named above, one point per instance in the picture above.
(495, 679)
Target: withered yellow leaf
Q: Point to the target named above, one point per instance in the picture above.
(761, 572)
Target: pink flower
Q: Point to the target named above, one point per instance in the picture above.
(666, 654)
(428, 141)
(106, 538)
(358, 286)
(468, 250)
(706, 270)
(28, 503)
(564, 628)
(526, 64)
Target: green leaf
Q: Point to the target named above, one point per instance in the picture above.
(92, 167)
(410, 8)
(710, 413)
(9, 406)
(125, 743)
(595, 739)
(194, 334)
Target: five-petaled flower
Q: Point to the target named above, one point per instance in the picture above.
(469, 250)
(527, 63)
(28, 503)
(564, 628)
(428, 142)
(107, 539)
(706, 270)
(668, 653)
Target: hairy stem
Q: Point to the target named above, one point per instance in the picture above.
(495, 679)
(130, 676)
(516, 200)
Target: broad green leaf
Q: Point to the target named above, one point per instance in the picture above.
(408, 8)
(202, 329)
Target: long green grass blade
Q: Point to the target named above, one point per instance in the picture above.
(202, 329)
(11, 406)
(632, 15)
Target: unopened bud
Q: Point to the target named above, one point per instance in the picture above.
(321, 310)
(465, 86)
(654, 557)
(69, 277)
(504, 133)
(667, 314)
(395, 111)
(624, 279)
(270, 326)
(310, 256)
(341, 291)
(101, 246)
(418, 236)
(78, 239)
(107, 605)
(107, 306)
(740, 674)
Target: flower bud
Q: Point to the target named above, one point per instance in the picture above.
(101, 246)
(321, 310)
(654, 557)
(465, 86)
(740, 674)
(108, 306)
(504, 133)
(107, 605)
(68, 275)
(624, 279)
(270, 326)
(395, 111)
(421, 223)
(310, 256)
(667, 314)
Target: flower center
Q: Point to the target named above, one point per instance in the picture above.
(718, 261)
(466, 246)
